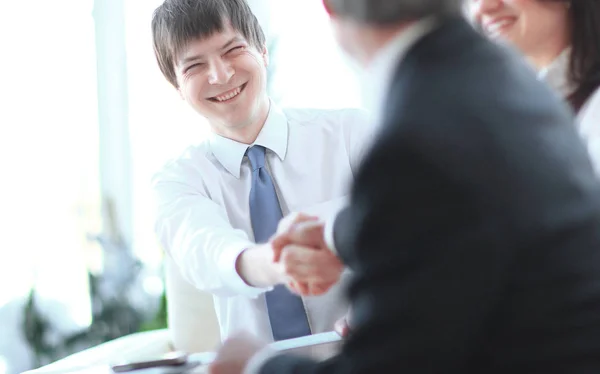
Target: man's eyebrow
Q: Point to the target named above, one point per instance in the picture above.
(233, 40)
(189, 59)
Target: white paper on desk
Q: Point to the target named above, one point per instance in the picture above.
(308, 341)
(318, 347)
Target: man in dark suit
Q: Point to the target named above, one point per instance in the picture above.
(474, 223)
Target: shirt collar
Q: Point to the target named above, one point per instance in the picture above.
(273, 136)
(379, 73)
(556, 75)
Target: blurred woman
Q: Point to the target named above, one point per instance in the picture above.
(561, 40)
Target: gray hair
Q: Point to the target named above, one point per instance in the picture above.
(386, 12)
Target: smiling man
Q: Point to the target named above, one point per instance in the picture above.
(219, 203)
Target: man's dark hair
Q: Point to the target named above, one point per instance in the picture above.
(176, 23)
(387, 12)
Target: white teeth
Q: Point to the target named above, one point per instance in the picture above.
(230, 95)
(497, 26)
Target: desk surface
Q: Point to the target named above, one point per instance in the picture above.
(320, 346)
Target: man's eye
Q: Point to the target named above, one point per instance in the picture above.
(235, 49)
(193, 66)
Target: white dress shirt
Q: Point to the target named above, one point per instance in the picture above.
(203, 217)
(556, 75)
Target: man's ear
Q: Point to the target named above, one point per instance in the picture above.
(265, 55)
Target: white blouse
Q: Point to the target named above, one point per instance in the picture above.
(588, 118)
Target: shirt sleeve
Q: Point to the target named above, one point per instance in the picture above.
(328, 230)
(195, 232)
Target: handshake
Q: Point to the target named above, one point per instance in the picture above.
(296, 256)
(302, 259)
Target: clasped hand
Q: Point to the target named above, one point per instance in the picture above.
(308, 266)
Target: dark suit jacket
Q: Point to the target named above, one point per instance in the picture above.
(474, 225)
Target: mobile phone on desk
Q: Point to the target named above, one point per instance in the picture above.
(170, 359)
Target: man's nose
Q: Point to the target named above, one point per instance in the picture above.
(220, 72)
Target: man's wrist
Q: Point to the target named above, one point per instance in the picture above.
(228, 268)
(256, 267)
(272, 270)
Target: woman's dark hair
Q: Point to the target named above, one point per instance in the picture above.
(584, 67)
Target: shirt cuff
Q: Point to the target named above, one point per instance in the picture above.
(328, 230)
(230, 275)
(259, 359)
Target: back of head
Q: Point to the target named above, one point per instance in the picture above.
(178, 22)
(389, 12)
